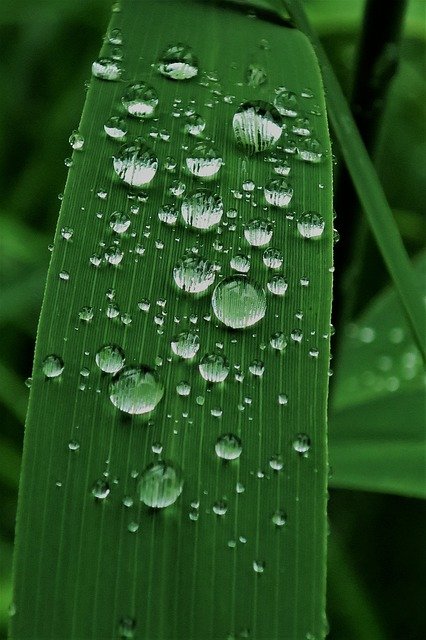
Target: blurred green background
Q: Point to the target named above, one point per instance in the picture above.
(376, 560)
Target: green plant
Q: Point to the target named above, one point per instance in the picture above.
(127, 444)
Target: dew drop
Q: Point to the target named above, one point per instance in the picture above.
(160, 485)
(214, 367)
(258, 232)
(202, 209)
(110, 358)
(107, 69)
(240, 262)
(115, 128)
(276, 462)
(183, 388)
(228, 447)
(67, 233)
(204, 160)
(119, 222)
(136, 164)
(168, 214)
(220, 507)
(277, 285)
(310, 150)
(136, 390)
(140, 100)
(126, 628)
(178, 62)
(73, 445)
(194, 124)
(238, 302)
(185, 344)
(259, 566)
(311, 225)
(278, 341)
(286, 103)
(255, 75)
(279, 518)
(101, 489)
(257, 368)
(52, 366)
(278, 192)
(257, 126)
(272, 258)
(194, 274)
(302, 443)
(76, 141)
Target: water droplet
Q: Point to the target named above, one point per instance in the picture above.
(257, 126)
(276, 462)
(119, 222)
(214, 367)
(279, 518)
(220, 507)
(238, 303)
(185, 344)
(194, 274)
(272, 258)
(136, 390)
(136, 164)
(64, 275)
(178, 63)
(228, 447)
(76, 141)
(160, 485)
(67, 233)
(240, 262)
(310, 150)
(302, 443)
(278, 192)
(140, 100)
(194, 124)
(127, 501)
(286, 103)
(204, 160)
(259, 566)
(52, 366)
(282, 399)
(278, 341)
(101, 489)
(296, 335)
(110, 358)
(301, 126)
(73, 445)
(310, 225)
(183, 388)
(133, 527)
(255, 75)
(202, 209)
(258, 232)
(257, 368)
(168, 214)
(126, 628)
(115, 37)
(116, 128)
(277, 285)
(107, 69)
(114, 255)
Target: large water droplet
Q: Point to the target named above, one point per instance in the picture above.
(107, 69)
(311, 225)
(194, 274)
(137, 164)
(110, 358)
(136, 390)
(185, 344)
(115, 128)
(160, 485)
(278, 192)
(238, 303)
(52, 366)
(228, 446)
(258, 232)
(140, 100)
(202, 209)
(178, 63)
(214, 367)
(119, 222)
(257, 126)
(204, 160)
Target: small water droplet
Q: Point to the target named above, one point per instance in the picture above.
(183, 388)
(52, 366)
(310, 150)
(272, 258)
(214, 367)
(279, 518)
(311, 225)
(116, 128)
(110, 358)
(76, 141)
(194, 274)
(67, 233)
(185, 344)
(194, 124)
(101, 489)
(257, 126)
(119, 222)
(302, 443)
(276, 462)
(277, 285)
(286, 103)
(278, 192)
(255, 75)
(228, 447)
(259, 566)
(220, 507)
(240, 262)
(107, 69)
(136, 164)
(160, 485)
(202, 209)
(178, 62)
(140, 100)
(136, 390)
(278, 341)
(126, 628)
(204, 160)
(73, 445)
(238, 302)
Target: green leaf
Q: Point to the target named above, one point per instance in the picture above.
(378, 403)
(85, 563)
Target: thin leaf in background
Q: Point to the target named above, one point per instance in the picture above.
(231, 439)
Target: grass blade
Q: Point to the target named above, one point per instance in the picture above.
(367, 184)
(92, 567)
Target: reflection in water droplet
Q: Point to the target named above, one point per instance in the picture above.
(277, 285)
(115, 128)
(183, 388)
(168, 214)
(160, 485)
(52, 366)
(194, 124)
(119, 222)
(239, 303)
(257, 126)
(140, 100)
(310, 150)
(286, 103)
(255, 75)
(258, 232)
(202, 209)
(136, 164)
(311, 225)
(272, 258)
(228, 447)
(110, 358)
(178, 63)
(204, 160)
(214, 367)
(220, 507)
(76, 141)
(136, 390)
(302, 443)
(194, 274)
(240, 263)
(107, 69)
(278, 192)
(185, 344)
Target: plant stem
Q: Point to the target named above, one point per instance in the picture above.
(377, 62)
(367, 184)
